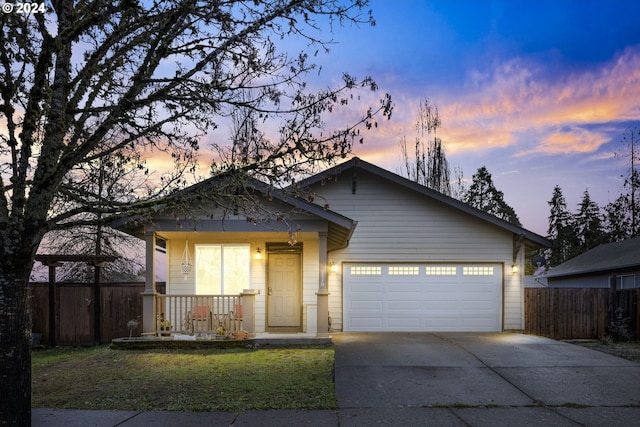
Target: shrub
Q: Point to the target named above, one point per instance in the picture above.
(619, 327)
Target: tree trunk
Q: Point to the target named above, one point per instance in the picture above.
(15, 344)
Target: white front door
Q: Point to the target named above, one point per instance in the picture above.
(284, 288)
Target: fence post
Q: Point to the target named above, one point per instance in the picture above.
(97, 304)
(637, 307)
(52, 303)
(613, 299)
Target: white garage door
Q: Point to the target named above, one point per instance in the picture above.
(422, 297)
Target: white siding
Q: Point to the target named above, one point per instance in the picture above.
(398, 225)
(513, 294)
(177, 282)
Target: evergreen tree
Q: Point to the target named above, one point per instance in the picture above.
(588, 224)
(483, 195)
(560, 231)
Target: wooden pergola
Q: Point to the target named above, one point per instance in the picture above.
(56, 260)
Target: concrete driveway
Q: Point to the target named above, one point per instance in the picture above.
(480, 379)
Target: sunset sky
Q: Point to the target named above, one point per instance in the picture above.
(540, 92)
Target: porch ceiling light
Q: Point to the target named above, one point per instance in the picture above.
(258, 254)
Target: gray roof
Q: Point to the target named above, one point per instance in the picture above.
(340, 227)
(530, 237)
(608, 257)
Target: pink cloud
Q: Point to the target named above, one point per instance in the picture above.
(577, 140)
(519, 103)
(519, 97)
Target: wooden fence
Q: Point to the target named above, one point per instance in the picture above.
(120, 303)
(573, 313)
(558, 313)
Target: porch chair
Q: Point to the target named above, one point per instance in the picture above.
(198, 315)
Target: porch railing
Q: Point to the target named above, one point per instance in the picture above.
(198, 314)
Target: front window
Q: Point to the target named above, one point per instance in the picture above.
(222, 269)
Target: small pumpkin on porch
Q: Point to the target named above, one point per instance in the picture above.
(240, 335)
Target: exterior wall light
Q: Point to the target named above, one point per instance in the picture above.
(515, 269)
(333, 267)
(258, 254)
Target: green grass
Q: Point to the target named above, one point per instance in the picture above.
(184, 380)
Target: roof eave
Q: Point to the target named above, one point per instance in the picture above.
(605, 269)
(340, 221)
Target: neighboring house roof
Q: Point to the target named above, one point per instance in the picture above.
(340, 228)
(608, 257)
(356, 164)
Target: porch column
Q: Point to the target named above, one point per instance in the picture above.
(248, 311)
(323, 292)
(149, 294)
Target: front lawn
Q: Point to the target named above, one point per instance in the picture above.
(183, 380)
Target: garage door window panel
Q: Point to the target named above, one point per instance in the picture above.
(366, 270)
(438, 270)
(404, 271)
(477, 271)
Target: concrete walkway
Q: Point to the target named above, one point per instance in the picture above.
(444, 379)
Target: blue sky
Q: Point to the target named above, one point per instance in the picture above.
(540, 92)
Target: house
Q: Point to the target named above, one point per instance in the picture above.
(596, 267)
(354, 248)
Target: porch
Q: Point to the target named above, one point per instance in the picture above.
(200, 316)
(282, 261)
(237, 282)
(190, 317)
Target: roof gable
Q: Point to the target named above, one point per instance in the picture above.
(340, 228)
(356, 164)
